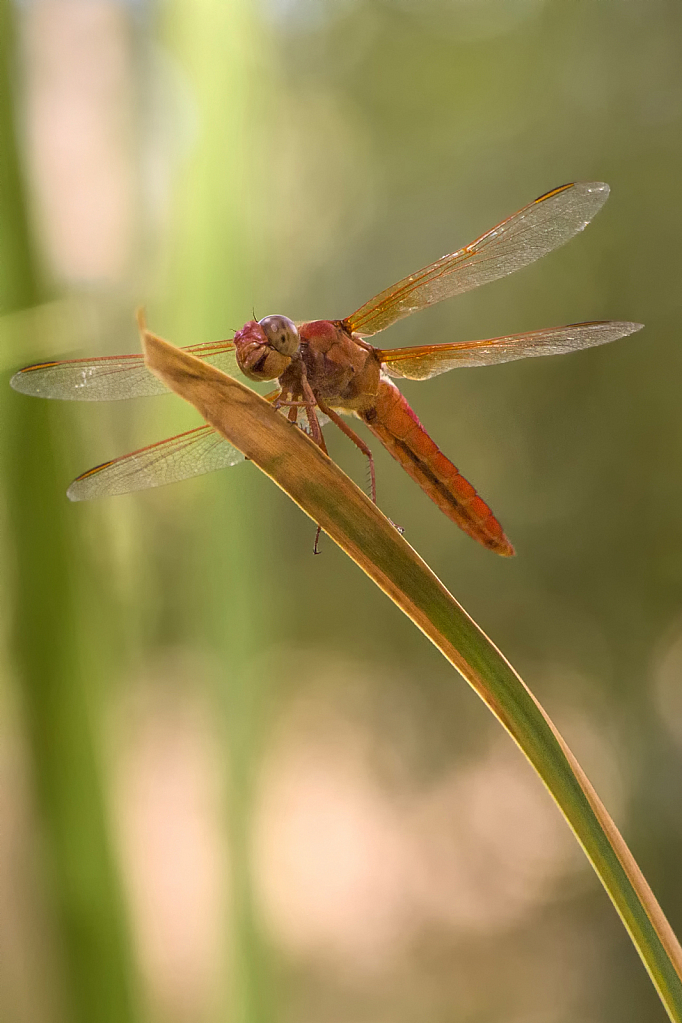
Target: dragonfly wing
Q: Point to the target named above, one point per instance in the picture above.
(221, 354)
(427, 361)
(535, 230)
(103, 379)
(189, 454)
(110, 377)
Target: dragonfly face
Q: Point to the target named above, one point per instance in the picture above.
(265, 349)
(326, 367)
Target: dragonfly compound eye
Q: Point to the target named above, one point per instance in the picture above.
(281, 333)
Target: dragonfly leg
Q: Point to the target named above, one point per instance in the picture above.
(315, 433)
(310, 404)
(279, 401)
(312, 415)
(358, 441)
(318, 437)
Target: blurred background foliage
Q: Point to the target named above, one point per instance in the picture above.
(234, 782)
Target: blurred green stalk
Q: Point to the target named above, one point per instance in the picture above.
(221, 50)
(48, 628)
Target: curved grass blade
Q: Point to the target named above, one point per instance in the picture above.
(348, 516)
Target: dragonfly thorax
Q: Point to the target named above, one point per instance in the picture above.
(338, 366)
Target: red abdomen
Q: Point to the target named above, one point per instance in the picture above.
(392, 420)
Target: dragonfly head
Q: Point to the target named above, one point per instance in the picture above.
(265, 349)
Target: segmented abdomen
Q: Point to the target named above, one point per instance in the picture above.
(391, 419)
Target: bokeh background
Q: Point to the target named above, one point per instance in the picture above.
(235, 783)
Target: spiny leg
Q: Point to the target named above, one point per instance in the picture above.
(358, 441)
(309, 404)
(345, 428)
(280, 401)
(316, 432)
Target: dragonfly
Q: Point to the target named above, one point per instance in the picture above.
(326, 369)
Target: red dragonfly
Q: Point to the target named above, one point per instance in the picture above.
(326, 367)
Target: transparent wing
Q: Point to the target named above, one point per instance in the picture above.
(427, 361)
(189, 454)
(110, 377)
(302, 420)
(538, 228)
